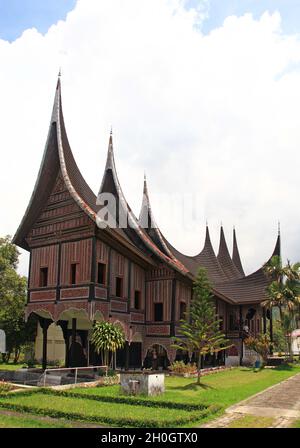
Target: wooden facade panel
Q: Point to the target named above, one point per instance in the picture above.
(162, 330)
(42, 295)
(119, 268)
(159, 291)
(74, 293)
(137, 284)
(100, 293)
(44, 257)
(183, 294)
(79, 253)
(137, 317)
(118, 306)
(102, 252)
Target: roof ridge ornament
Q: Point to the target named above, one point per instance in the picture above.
(236, 254)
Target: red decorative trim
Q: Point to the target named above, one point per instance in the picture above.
(158, 329)
(137, 317)
(74, 293)
(118, 306)
(42, 295)
(100, 293)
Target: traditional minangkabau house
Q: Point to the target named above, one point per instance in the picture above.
(80, 273)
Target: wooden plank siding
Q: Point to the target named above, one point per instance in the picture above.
(44, 257)
(102, 256)
(159, 291)
(119, 268)
(60, 219)
(80, 253)
(137, 284)
(183, 294)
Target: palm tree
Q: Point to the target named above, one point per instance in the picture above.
(283, 291)
(107, 338)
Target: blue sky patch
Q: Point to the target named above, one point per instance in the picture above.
(218, 10)
(19, 15)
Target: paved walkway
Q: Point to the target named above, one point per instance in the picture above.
(281, 402)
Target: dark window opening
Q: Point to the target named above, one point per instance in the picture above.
(101, 273)
(182, 310)
(119, 287)
(43, 277)
(233, 325)
(158, 312)
(73, 273)
(137, 300)
(221, 323)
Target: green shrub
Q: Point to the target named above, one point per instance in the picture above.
(180, 367)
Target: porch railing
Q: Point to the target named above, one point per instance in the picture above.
(71, 369)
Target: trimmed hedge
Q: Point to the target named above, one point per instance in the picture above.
(128, 400)
(122, 421)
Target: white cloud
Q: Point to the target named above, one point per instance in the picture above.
(214, 115)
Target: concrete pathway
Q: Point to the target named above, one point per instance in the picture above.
(281, 402)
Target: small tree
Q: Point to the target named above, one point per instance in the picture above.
(199, 331)
(260, 345)
(107, 338)
(13, 301)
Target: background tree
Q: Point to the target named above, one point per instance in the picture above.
(107, 338)
(199, 331)
(12, 301)
(284, 294)
(260, 344)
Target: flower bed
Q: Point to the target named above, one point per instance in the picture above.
(206, 371)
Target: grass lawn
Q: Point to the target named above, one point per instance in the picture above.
(92, 404)
(96, 411)
(296, 424)
(223, 388)
(10, 366)
(15, 421)
(251, 421)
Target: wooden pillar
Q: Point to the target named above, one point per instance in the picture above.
(44, 323)
(271, 329)
(45, 341)
(214, 360)
(264, 321)
(73, 340)
(126, 355)
(64, 326)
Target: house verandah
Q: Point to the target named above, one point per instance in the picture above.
(75, 323)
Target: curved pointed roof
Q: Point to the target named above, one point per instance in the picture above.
(251, 288)
(236, 255)
(207, 258)
(57, 156)
(125, 216)
(147, 222)
(225, 260)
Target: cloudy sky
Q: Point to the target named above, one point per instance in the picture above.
(203, 95)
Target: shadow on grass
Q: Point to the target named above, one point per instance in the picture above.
(192, 386)
(287, 367)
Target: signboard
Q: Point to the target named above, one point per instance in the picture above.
(2, 342)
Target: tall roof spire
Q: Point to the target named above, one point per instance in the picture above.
(225, 260)
(236, 254)
(146, 219)
(277, 248)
